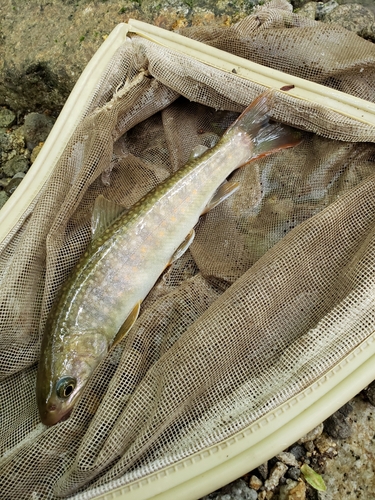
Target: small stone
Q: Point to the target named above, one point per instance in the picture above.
(337, 426)
(263, 470)
(313, 434)
(277, 472)
(308, 10)
(326, 445)
(255, 483)
(262, 495)
(4, 182)
(17, 164)
(353, 17)
(322, 9)
(293, 490)
(310, 447)
(253, 495)
(3, 198)
(346, 410)
(35, 152)
(370, 393)
(298, 451)
(294, 473)
(5, 142)
(238, 489)
(7, 118)
(287, 458)
(14, 183)
(36, 128)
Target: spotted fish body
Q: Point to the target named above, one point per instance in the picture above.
(123, 262)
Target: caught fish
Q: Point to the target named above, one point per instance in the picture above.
(100, 301)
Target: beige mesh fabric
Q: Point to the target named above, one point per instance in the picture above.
(277, 287)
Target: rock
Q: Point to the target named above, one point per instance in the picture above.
(263, 470)
(5, 142)
(313, 434)
(298, 451)
(324, 8)
(287, 458)
(370, 393)
(326, 445)
(46, 46)
(36, 128)
(238, 490)
(17, 164)
(3, 198)
(35, 152)
(293, 490)
(293, 473)
(7, 118)
(255, 483)
(14, 183)
(353, 17)
(351, 474)
(276, 474)
(337, 426)
(308, 10)
(11, 144)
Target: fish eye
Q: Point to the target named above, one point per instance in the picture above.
(65, 386)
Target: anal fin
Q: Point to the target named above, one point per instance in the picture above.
(128, 323)
(223, 192)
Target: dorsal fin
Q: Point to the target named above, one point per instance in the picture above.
(104, 213)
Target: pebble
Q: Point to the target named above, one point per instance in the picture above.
(238, 490)
(276, 474)
(326, 445)
(263, 470)
(298, 451)
(322, 9)
(287, 458)
(294, 473)
(7, 118)
(5, 142)
(255, 483)
(14, 182)
(308, 10)
(293, 490)
(36, 128)
(370, 393)
(353, 17)
(3, 198)
(15, 165)
(337, 426)
(313, 434)
(346, 410)
(35, 152)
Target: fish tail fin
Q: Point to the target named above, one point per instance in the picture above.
(266, 137)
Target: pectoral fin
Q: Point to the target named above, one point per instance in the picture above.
(129, 322)
(222, 193)
(183, 247)
(104, 213)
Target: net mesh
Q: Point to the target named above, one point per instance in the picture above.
(277, 287)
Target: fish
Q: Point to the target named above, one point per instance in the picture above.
(100, 301)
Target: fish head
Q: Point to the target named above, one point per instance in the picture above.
(64, 370)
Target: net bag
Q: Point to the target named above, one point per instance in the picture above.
(276, 290)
